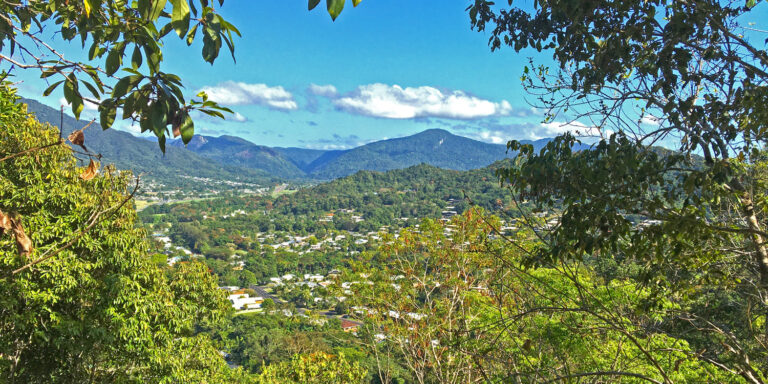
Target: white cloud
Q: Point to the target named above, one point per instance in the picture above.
(395, 102)
(134, 129)
(650, 120)
(237, 117)
(495, 137)
(323, 90)
(558, 128)
(239, 93)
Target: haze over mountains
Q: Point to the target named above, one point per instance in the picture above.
(234, 158)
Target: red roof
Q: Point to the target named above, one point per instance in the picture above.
(349, 324)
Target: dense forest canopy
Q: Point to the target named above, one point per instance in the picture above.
(700, 76)
(81, 300)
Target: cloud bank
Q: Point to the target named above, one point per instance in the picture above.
(395, 102)
(239, 93)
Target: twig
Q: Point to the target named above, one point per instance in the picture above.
(32, 150)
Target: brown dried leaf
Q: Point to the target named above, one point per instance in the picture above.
(23, 243)
(5, 223)
(176, 130)
(90, 172)
(78, 137)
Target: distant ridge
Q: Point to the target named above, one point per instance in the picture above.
(239, 152)
(234, 158)
(143, 156)
(436, 147)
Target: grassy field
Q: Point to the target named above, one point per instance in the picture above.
(141, 204)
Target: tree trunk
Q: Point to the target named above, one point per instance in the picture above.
(761, 253)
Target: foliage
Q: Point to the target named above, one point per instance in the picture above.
(87, 303)
(363, 203)
(334, 6)
(458, 307)
(683, 73)
(315, 368)
(283, 347)
(115, 30)
(174, 168)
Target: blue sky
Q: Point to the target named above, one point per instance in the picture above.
(387, 68)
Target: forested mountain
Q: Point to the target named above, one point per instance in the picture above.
(234, 158)
(435, 147)
(142, 156)
(303, 157)
(233, 150)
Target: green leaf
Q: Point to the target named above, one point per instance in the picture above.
(95, 92)
(114, 60)
(94, 51)
(312, 4)
(335, 7)
(72, 95)
(48, 73)
(187, 129)
(157, 116)
(136, 58)
(356, 2)
(157, 9)
(191, 34)
(107, 113)
(154, 57)
(129, 104)
(124, 84)
(51, 88)
(180, 17)
(229, 27)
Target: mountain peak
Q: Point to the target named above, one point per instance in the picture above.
(434, 131)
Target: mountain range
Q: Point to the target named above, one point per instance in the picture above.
(234, 158)
(143, 156)
(435, 147)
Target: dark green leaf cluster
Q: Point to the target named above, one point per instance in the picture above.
(126, 35)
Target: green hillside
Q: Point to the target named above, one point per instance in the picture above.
(143, 156)
(435, 147)
(239, 152)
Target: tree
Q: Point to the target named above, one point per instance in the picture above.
(462, 308)
(114, 31)
(81, 299)
(315, 368)
(636, 74)
(268, 305)
(125, 35)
